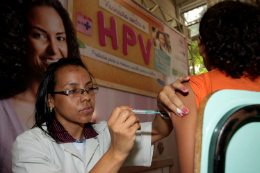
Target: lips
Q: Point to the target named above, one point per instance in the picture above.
(87, 109)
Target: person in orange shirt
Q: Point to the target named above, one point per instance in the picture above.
(229, 43)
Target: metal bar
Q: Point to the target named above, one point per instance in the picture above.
(162, 14)
(144, 2)
(152, 9)
(192, 59)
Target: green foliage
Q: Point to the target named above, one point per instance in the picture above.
(198, 60)
(194, 27)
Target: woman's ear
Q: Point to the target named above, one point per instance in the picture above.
(203, 53)
(198, 40)
(50, 101)
(201, 48)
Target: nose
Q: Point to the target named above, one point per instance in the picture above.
(85, 96)
(52, 48)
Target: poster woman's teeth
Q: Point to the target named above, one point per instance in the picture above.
(51, 61)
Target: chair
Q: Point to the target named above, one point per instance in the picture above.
(228, 133)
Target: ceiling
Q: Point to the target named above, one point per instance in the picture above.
(186, 5)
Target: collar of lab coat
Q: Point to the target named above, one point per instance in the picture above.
(91, 143)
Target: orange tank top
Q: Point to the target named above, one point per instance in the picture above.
(214, 80)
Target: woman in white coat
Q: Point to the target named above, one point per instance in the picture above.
(64, 140)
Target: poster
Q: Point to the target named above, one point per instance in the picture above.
(126, 47)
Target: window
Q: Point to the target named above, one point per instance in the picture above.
(192, 19)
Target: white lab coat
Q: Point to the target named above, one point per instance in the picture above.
(34, 151)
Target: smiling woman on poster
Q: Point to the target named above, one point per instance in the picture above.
(34, 33)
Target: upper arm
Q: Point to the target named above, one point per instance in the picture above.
(185, 131)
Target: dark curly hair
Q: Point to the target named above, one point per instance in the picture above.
(230, 32)
(13, 32)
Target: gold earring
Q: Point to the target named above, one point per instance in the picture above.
(51, 109)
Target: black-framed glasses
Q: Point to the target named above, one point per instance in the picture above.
(79, 92)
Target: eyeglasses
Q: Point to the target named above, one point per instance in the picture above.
(79, 92)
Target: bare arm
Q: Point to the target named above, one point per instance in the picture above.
(160, 128)
(185, 131)
(168, 101)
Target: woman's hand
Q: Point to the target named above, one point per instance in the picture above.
(123, 125)
(169, 102)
